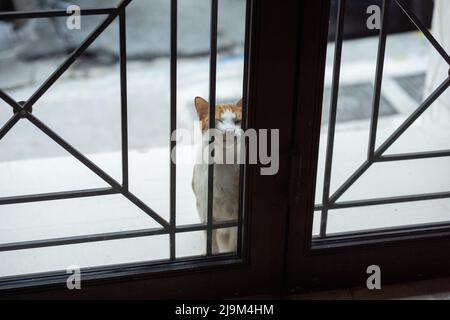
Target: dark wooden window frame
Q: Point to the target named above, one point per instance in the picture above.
(287, 48)
(340, 262)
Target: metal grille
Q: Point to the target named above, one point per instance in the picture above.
(375, 155)
(24, 111)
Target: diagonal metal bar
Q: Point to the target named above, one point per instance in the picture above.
(8, 126)
(413, 117)
(73, 57)
(378, 82)
(88, 163)
(123, 4)
(57, 196)
(9, 100)
(332, 116)
(141, 205)
(66, 64)
(411, 15)
(349, 182)
(102, 174)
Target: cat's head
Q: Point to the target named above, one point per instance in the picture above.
(228, 116)
(228, 125)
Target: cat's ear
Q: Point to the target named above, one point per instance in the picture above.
(202, 107)
(239, 103)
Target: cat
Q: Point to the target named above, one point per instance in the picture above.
(226, 174)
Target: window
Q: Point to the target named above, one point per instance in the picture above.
(282, 70)
(369, 174)
(384, 164)
(87, 114)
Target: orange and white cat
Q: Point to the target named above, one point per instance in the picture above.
(226, 173)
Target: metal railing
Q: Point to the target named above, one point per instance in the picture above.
(375, 155)
(24, 110)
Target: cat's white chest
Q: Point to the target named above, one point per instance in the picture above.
(225, 191)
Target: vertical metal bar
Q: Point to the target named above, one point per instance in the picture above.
(240, 228)
(332, 119)
(173, 123)
(124, 98)
(378, 83)
(212, 120)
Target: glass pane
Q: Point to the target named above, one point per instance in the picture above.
(226, 240)
(388, 168)
(87, 182)
(191, 244)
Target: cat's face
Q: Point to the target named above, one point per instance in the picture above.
(228, 116)
(227, 129)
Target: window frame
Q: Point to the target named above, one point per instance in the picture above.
(286, 62)
(271, 53)
(405, 254)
